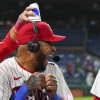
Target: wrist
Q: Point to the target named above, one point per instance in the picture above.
(56, 97)
(22, 93)
(24, 88)
(27, 85)
(17, 26)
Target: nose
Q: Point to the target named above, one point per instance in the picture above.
(53, 48)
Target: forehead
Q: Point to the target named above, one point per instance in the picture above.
(46, 43)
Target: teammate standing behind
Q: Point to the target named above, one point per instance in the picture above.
(9, 44)
(96, 87)
(26, 75)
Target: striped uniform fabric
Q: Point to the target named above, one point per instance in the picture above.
(13, 75)
(95, 90)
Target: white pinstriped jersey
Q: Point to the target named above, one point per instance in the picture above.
(13, 75)
(95, 90)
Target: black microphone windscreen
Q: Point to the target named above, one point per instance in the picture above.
(56, 58)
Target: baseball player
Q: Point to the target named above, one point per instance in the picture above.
(96, 87)
(9, 44)
(29, 75)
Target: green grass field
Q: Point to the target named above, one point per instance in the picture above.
(84, 98)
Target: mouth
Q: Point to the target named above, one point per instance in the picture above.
(50, 55)
(52, 52)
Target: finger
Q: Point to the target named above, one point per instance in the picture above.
(48, 75)
(51, 78)
(42, 78)
(41, 75)
(52, 88)
(24, 18)
(51, 94)
(30, 13)
(49, 83)
(25, 15)
(38, 87)
(36, 73)
(29, 8)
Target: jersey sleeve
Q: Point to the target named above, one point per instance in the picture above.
(5, 89)
(96, 98)
(95, 90)
(7, 46)
(62, 89)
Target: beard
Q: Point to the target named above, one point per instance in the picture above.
(40, 66)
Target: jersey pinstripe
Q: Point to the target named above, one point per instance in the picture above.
(12, 76)
(95, 90)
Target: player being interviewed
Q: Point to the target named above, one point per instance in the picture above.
(9, 44)
(26, 75)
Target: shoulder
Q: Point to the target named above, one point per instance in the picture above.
(8, 60)
(7, 63)
(52, 64)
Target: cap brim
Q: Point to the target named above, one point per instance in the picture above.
(56, 38)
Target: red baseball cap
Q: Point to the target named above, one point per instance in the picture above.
(45, 33)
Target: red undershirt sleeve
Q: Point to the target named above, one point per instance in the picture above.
(7, 46)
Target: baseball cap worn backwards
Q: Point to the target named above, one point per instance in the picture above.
(45, 33)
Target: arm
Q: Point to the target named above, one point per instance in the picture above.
(9, 44)
(32, 84)
(62, 87)
(56, 97)
(22, 93)
(51, 87)
(35, 82)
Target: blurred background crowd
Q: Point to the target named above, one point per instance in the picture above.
(79, 20)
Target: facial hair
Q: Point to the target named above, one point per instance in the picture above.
(40, 66)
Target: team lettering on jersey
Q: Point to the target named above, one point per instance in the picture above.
(38, 94)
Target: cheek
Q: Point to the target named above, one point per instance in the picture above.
(46, 50)
(29, 57)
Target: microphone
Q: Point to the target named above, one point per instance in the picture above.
(56, 58)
